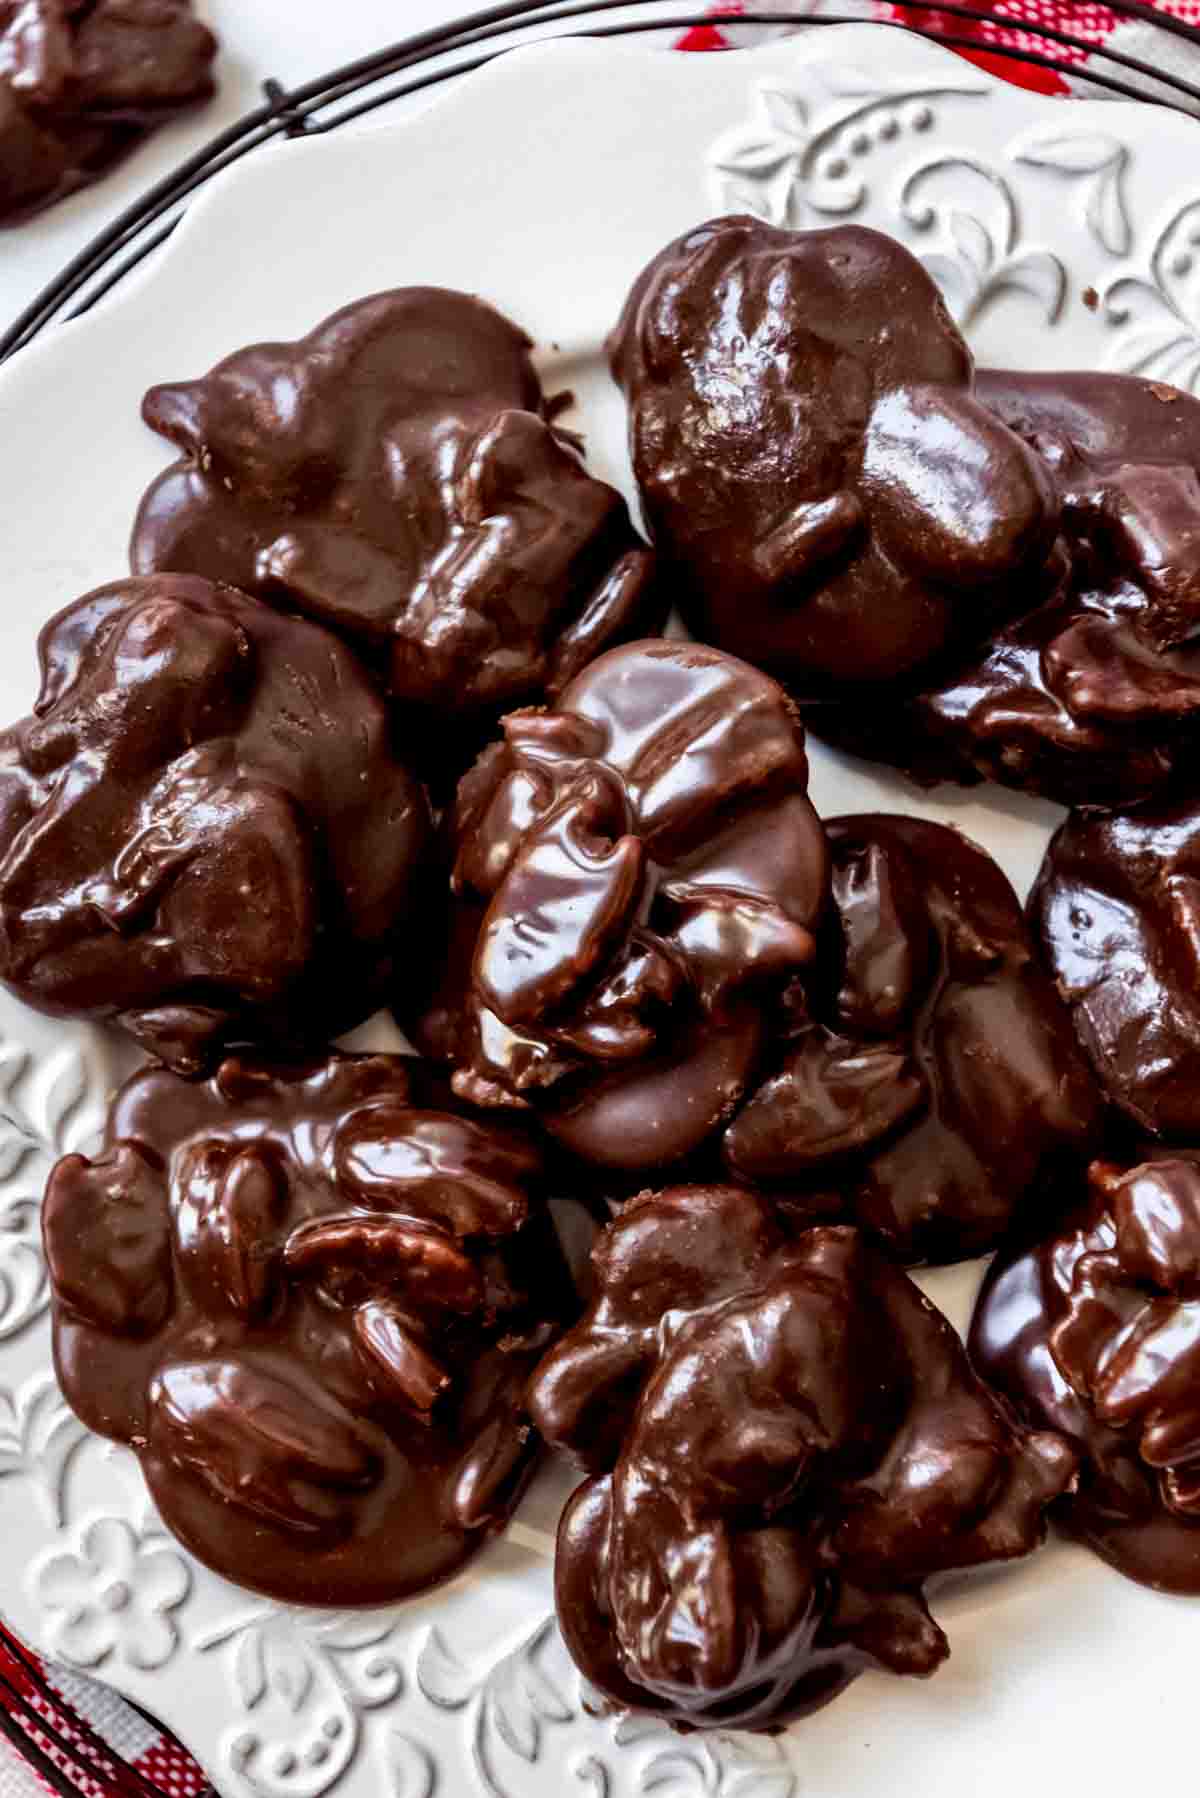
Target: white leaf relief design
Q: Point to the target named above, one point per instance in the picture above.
(410, 1768)
(799, 157)
(1103, 161)
(1156, 312)
(972, 208)
(39, 1435)
(45, 1111)
(510, 1703)
(716, 1766)
(303, 1681)
(23, 1292)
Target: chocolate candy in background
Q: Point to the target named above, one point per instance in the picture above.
(82, 82)
(828, 497)
(638, 870)
(1093, 696)
(204, 833)
(785, 1440)
(396, 475)
(309, 1297)
(934, 1075)
(1094, 1331)
(1117, 906)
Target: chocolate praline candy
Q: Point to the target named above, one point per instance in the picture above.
(308, 1297)
(83, 81)
(204, 833)
(828, 496)
(396, 475)
(1093, 696)
(1094, 1330)
(934, 1075)
(1117, 906)
(785, 1440)
(637, 871)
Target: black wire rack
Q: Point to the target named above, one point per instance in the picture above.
(434, 57)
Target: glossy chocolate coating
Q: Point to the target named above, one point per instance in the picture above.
(1117, 906)
(395, 476)
(637, 871)
(309, 1298)
(83, 81)
(1095, 1331)
(1092, 697)
(831, 500)
(785, 1441)
(204, 833)
(935, 1074)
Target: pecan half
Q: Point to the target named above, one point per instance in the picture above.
(355, 1254)
(108, 1240)
(433, 1165)
(261, 1443)
(229, 1203)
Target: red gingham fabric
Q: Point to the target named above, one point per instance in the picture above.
(62, 1732)
(1094, 23)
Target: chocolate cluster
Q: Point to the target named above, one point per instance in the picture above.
(204, 833)
(309, 1298)
(1094, 1331)
(829, 495)
(1117, 906)
(1092, 697)
(784, 1441)
(931, 1078)
(637, 870)
(83, 81)
(397, 476)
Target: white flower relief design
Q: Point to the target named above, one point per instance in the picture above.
(114, 1596)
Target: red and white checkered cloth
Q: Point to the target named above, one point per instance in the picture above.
(60, 1731)
(1096, 24)
(74, 1735)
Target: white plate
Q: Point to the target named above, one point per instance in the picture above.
(1065, 234)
